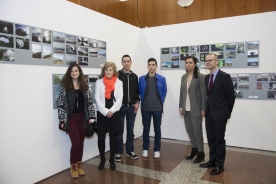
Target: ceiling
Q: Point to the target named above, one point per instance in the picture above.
(150, 13)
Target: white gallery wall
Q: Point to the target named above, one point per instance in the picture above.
(32, 147)
(253, 122)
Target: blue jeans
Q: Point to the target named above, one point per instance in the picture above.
(128, 113)
(146, 119)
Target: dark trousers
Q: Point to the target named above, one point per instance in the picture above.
(77, 135)
(128, 113)
(215, 134)
(146, 119)
(112, 143)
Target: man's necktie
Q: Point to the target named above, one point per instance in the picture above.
(210, 83)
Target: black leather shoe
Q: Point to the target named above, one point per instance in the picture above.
(216, 170)
(101, 166)
(113, 166)
(206, 165)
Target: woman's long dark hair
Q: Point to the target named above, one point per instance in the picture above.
(196, 70)
(67, 82)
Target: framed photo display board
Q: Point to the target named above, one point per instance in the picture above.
(28, 45)
(230, 55)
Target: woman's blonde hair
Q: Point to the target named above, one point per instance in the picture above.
(113, 66)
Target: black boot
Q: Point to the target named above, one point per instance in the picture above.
(192, 155)
(200, 157)
(112, 164)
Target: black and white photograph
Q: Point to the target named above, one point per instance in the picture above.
(165, 50)
(71, 59)
(6, 55)
(217, 47)
(252, 62)
(58, 59)
(203, 56)
(82, 51)
(101, 53)
(46, 36)
(243, 77)
(228, 63)
(194, 48)
(22, 30)
(83, 61)
(271, 94)
(36, 35)
(195, 54)
(175, 64)
(184, 49)
(175, 57)
(58, 37)
(174, 50)
(102, 44)
(230, 54)
(36, 51)
(204, 48)
(71, 39)
(166, 64)
(253, 45)
(59, 48)
(6, 41)
(83, 41)
(221, 63)
(22, 43)
(183, 56)
(262, 77)
(46, 52)
(234, 77)
(272, 85)
(238, 93)
(243, 85)
(93, 43)
(241, 48)
(71, 49)
(93, 52)
(272, 77)
(265, 85)
(6, 27)
(230, 46)
(219, 54)
(252, 53)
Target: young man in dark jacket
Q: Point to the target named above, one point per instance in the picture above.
(129, 108)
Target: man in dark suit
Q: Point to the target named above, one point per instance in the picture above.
(219, 105)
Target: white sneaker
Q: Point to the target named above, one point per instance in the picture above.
(157, 154)
(145, 153)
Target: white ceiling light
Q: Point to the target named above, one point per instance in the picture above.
(123, 0)
(185, 3)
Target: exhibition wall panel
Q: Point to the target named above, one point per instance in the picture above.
(252, 124)
(29, 126)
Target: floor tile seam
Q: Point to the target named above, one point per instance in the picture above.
(158, 175)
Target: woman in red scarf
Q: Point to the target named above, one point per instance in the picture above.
(108, 96)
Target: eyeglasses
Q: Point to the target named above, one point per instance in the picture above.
(207, 61)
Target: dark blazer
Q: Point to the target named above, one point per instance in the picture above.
(196, 93)
(220, 101)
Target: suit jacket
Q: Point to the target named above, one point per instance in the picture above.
(221, 99)
(196, 92)
(100, 96)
